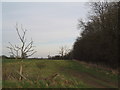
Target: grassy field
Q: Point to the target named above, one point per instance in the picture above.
(56, 74)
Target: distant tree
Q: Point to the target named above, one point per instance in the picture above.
(63, 51)
(69, 55)
(49, 57)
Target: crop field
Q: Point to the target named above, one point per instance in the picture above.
(56, 74)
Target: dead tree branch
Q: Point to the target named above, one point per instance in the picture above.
(25, 48)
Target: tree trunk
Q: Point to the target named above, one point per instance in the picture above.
(21, 71)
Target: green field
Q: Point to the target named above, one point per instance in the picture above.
(56, 74)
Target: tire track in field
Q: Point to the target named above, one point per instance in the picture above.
(89, 79)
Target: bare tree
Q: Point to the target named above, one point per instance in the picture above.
(25, 50)
(63, 51)
(66, 50)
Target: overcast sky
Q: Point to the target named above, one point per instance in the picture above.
(50, 25)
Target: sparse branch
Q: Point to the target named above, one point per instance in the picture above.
(31, 54)
(24, 49)
(24, 32)
(29, 46)
(17, 47)
(12, 46)
(31, 50)
(63, 50)
(11, 51)
(19, 34)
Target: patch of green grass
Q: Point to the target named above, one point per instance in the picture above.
(39, 74)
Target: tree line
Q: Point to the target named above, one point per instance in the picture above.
(98, 42)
